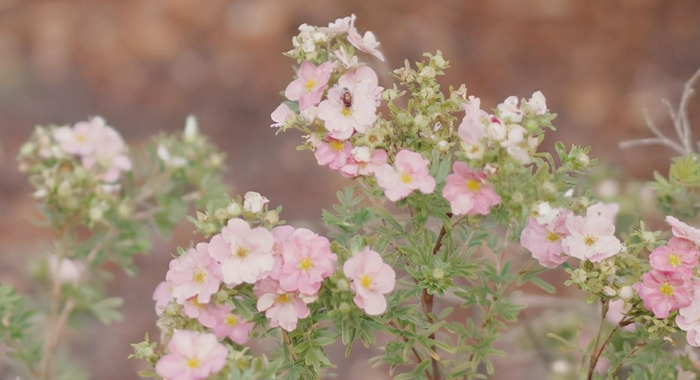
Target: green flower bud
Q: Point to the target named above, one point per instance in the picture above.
(343, 285)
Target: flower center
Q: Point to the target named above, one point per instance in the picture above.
(232, 321)
(337, 145)
(346, 111)
(674, 260)
(666, 289)
(283, 298)
(199, 277)
(405, 178)
(305, 264)
(81, 138)
(196, 303)
(473, 185)
(365, 281)
(590, 240)
(193, 363)
(310, 84)
(553, 236)
(242, 251)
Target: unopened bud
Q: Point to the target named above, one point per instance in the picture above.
(626, 293)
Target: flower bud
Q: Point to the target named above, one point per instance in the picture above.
(438, 273)
(234, 209)
(272, 217)
(191, 128)
(578, 276)
(254, 202)
(609, 291)
(626, 293)
(342, 285)
(649, 237)
(583, 159)
(344, 307)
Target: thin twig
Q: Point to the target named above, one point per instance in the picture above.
(413, 348)
(688, 93)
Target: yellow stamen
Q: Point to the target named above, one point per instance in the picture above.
(232, 321)
(193, 363)
(553, 236)
(590, 240)
(242, 251)
(674, 260)
(199, 277)
(337, 145)
(473, 185)
(346, 111)
(310, 84)
(81, 138)
(365, 281)
(283, 298)
(196, 303)
(305, 264)
(405, 178)
(666, 289)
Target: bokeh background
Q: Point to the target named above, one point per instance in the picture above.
(146, 64)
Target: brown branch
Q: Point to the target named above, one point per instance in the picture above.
(413, 348)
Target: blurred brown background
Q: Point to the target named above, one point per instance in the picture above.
(145, 65)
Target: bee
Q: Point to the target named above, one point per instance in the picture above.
(346, 98)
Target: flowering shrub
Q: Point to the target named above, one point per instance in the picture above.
(421, 250)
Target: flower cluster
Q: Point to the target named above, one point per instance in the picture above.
(286, 268)
(671, 284)
(555, 233)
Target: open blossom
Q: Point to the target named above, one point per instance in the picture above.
(231, 325)
(194, 274)
(205, 313)
(78, 140)
(537, 103)
(308, 88)
(162, 295)
(307, 261)
(472, 128)
(468, 191)
(283, 309)
(679, 255)
(335, 154)
(254, 202)
(362, 162)
(370, 279)
(245, 254)
(193, 356)
(688, 319)
(509, 110)
(663, 292)
(543, 237)
(367, 43)
(409, 173)
(341, 25)
(351, 104)
(682, 230)
(591, 238)
(280, 115)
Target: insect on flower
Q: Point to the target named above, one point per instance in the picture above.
(346, 98)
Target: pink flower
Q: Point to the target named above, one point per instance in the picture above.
(231, 325)
(410, 172)
(283, 309)
(468, 191)
(544, 240)
(205, 313)
(680, 255)
(606, 210)
(245, 254)
(351, 104)
(193, 356)
(362, 162)
(688, 320)
(307, 261)
(367, 43)
(370, 279)
(108, 156)
(280, 115)
(591, 238)
(194, 274)
(310, 83)
(77, 140)
(335, 154)
(472, 128)
(663, 292)
(682, 230)
(162, 295)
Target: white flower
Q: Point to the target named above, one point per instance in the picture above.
(191, 128)
(254, 202)
(168, 160)
(537, 103)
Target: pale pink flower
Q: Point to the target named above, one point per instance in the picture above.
(108, 158)
(335, 153)
(232, 325)
(468, 191)
(663, 292)
(537, 103)
(544, 240)
(193, 356)
(367, 43)
(205, 313)
(591, 238)
(280, 115)
(617, 310)
(679, 255)
(194, 274)
(77, 140)
(351, 104)
(344, 58)
(162, 295)
(245, 254)
(688, 320)
(283, 309)
(682, 230)
(307, 261)
(341, 25)
(362, 162)
(409, 173)
(370, 279)
(66, 271)
(509, 110)
(606, 210)
(310, 83)
(472, 128)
